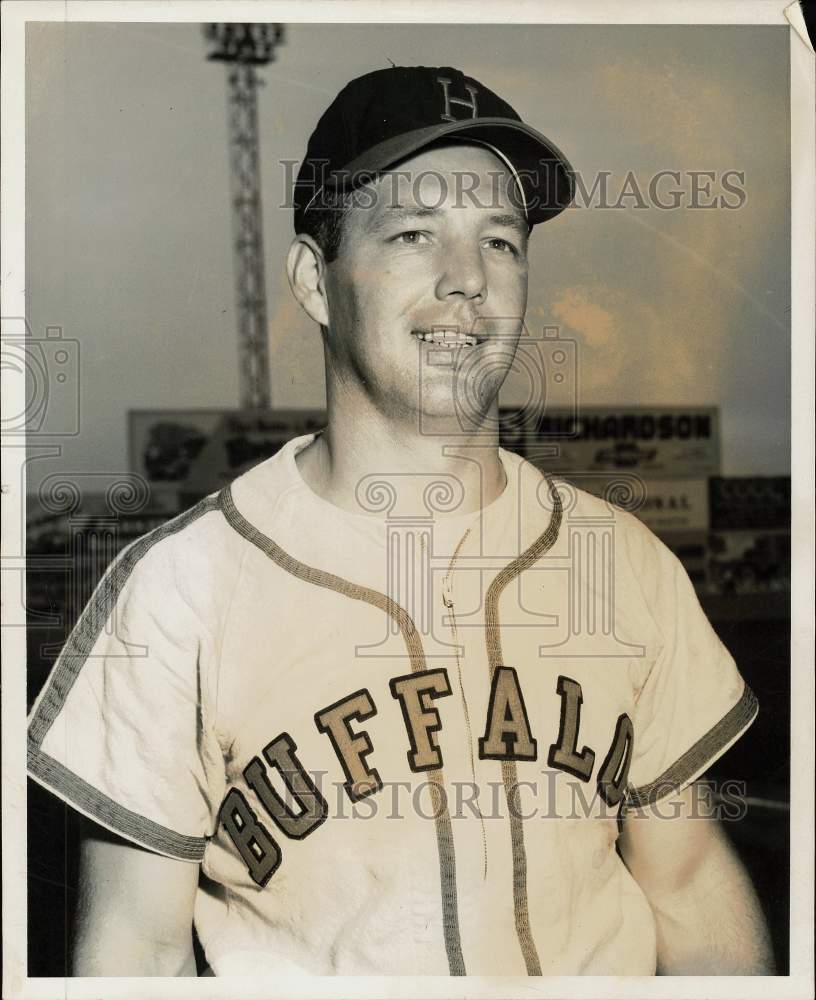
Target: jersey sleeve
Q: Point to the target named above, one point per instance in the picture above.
(693, 704)
(121, 731)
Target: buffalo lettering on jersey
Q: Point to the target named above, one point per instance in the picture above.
(260, 851)
(615, 768)
(280, 754)
(351, 748)
(564, 752)
(507, 736)
(422, 721)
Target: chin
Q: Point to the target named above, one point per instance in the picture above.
(448, 404)
(456, 417)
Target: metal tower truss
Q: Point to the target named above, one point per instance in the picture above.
(243, 47)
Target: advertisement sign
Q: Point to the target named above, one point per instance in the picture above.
(196, 452)
(164, 443)
(750, 543)
(664, 505)
(675, 505)
(751, 562)
(654, 442)
(741, 503)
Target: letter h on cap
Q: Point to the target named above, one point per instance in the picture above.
(446, 115)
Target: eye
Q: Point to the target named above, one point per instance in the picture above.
(496, 243)
(411, 238)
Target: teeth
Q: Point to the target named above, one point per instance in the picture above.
(446, 337)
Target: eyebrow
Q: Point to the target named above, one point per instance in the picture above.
(511, 221)
(399, 213)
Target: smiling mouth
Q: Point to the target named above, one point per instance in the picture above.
(447, 337)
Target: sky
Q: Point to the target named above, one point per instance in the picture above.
(128, 226)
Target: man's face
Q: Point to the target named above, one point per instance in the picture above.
(437, 246)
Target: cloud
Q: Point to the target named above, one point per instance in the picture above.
(646, 346)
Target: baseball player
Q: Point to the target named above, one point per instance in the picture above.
(393, 702)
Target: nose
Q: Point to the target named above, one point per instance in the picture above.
(462, 273)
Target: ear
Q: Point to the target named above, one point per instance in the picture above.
(306, 270)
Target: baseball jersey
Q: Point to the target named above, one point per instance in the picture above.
(397, 741)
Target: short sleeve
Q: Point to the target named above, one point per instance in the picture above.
(121, 729)
(693, 704)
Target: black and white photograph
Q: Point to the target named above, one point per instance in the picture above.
(407, 499)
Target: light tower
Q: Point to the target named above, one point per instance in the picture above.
(243, 47)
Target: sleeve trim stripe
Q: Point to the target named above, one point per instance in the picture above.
(81, 641)
(705, 750)
(108, 813)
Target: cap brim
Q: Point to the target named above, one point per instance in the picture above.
(544, 171)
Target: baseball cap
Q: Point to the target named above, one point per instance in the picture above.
(383, 117)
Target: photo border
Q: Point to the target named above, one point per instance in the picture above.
(15, 14)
